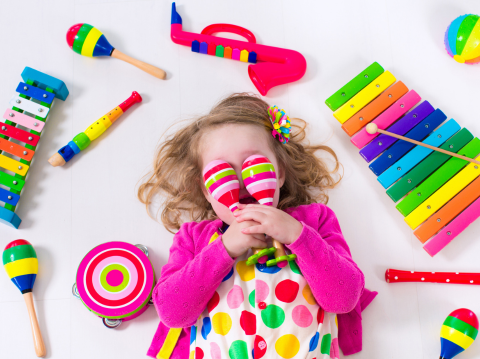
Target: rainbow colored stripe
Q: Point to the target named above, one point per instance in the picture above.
(226, 52)
(87, 40)
(21, 263)
(462, 39)
(458, 332)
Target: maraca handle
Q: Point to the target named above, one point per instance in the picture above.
(396, 276)
(37, 334)
(150, 69)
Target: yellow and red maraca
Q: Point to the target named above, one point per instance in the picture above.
(21, 263)
(260, 180)
(222, 182)
(87, 40)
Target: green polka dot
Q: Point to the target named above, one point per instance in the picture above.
(103, 278)
(238, 350)
(294, 267)
(273, 316)
(326, 344)
(251, 298)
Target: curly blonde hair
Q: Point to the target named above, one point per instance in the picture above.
(177, 172)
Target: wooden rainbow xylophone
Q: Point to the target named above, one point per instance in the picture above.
(437, 194)
(20, 131)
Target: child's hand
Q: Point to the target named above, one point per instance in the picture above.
(272, 221)
(237, 242)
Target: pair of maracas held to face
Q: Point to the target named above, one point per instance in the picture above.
(260, 180)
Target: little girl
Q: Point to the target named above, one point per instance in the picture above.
(221, 307)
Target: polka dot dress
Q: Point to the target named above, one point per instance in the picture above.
(264, 312)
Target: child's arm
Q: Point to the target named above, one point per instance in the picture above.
(188, 281)
(327, 265)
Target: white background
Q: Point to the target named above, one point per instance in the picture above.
(67, 211)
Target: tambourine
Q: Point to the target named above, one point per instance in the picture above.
(115, 281)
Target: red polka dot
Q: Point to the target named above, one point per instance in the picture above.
(262, 305)
(248, 322)
(212, 303)
(320, 315)
(259, 347)
(286, 291)
(198, 353)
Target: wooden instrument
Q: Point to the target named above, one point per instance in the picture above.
(115, 281)
(83, 139)
(21, 263)
(436, 193)
(28, 109)
(88, 41)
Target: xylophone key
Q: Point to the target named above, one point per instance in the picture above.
(405, 124)
(392, 114)
(374, 108)
(370, 92)
(24, 120)
(16, 150)
(453, 229)
(14, 166)
(448, 212)
(428, 165)
(400, 148)
(443, 195)
(9, 197)
(365, 77)
(14, 183)
(18, 134)
(9, 218)
(411, 159)
(35, 92)
(29, 106)
(438, 178)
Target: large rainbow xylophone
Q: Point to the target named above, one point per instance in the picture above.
(438, 194)
(270, 66)
(20, 131)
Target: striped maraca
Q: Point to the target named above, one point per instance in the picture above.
(20, 262)
(87, 40)
(260, 180)
(458, 332)
(222, 183)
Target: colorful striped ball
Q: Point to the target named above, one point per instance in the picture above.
(259, 177)
(458, 332)
(21, 263)
(222, 183)
(462, 39)
(87, 40)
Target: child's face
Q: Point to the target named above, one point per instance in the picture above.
(234, 144)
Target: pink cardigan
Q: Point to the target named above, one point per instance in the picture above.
(195, 270)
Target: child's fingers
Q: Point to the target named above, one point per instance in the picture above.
(252, 216)
(252, 207)
(255, 243)
(254, 230)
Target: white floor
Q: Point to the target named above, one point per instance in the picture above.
(67, 211)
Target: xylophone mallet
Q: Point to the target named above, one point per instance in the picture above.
(372, 128)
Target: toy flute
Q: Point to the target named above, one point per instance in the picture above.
(83, 139)
(398, 276)
(21, 263)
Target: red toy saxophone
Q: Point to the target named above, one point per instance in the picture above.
(271, 66)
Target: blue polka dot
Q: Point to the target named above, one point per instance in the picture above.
(270, 270)
(193, 333)
(314, 342)
(206, 327)
(227, 277)
(253, 356)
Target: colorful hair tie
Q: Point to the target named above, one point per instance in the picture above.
(280, 122)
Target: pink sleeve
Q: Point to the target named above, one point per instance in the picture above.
(188, 281)
(327, 265)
